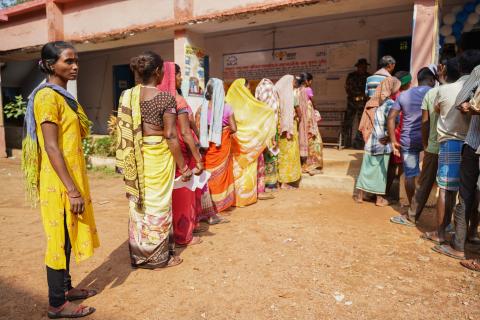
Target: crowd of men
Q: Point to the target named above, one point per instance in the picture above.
(439, 118)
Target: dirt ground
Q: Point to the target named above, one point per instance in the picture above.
(308, 254)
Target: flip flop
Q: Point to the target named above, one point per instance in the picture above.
(443, 249)
(473, 265)
(402, 220)
(265, 196)
(172, 262)
(79, 312)
(425, 236)
(200, 229)
(85, 294)
(217, 220)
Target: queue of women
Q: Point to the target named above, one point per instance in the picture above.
(250, 145)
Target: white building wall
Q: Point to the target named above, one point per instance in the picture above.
(372, 28)
(95, 81)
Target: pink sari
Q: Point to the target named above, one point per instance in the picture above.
(185, 203)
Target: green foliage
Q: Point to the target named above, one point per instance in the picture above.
(87, 145)
(104, 147)
(11, 3)
(15, 109)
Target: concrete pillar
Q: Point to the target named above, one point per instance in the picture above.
(425, 35)
(72, 88)
(3, 146)
(54, 21)
(184, 39)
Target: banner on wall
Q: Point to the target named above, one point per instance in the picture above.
(329, 63)
(195, 70)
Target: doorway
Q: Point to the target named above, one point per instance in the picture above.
(123, 79)
(399, 49)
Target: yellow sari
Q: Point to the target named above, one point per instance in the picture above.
(148, 170)
(255, 128)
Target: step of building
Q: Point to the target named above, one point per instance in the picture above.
(340, 170)
(325, 181)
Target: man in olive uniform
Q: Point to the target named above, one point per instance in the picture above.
(356, 99)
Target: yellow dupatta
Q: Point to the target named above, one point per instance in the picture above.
(255, 128)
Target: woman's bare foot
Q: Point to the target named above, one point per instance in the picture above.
(358, 198)
(195, 240)
(381, 202)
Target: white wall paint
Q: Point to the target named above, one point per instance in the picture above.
(376, 27)
(95, 84)
(95, 81)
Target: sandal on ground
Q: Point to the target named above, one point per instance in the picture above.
(82, 295)
(172, 262)
(429, 236)
(217, 220)
(195, 240)
(402, 220)
(473, 265)
(225, 213)
(287, 187)
(265, 196)
(75, 312)
(447, 250)
(200, 228)
(315, 172)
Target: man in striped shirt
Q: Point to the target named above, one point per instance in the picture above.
(387, 65)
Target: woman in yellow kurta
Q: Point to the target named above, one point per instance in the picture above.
(255, 128)
(55, 173)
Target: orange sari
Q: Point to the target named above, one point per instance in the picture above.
(219, 162)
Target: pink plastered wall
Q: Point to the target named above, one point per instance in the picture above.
(28, 32)
(104, 17)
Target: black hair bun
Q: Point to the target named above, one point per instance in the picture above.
(208, 95)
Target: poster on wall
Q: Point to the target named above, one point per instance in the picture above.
(329, 64)
(195, 70)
